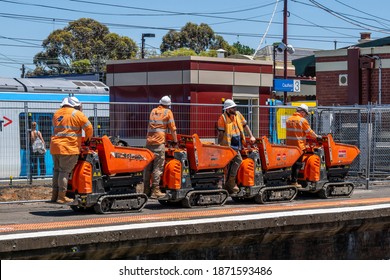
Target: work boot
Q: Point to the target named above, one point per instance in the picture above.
(156, 193)
(54, 195)
(230, 185)
(62, 199)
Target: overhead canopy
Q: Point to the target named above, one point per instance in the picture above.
(305, 66)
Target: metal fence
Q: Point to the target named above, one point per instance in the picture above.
(367, 127)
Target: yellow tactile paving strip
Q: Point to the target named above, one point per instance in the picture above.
(185, 215)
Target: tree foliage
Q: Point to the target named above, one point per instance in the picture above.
(179, 52)
(242, 49)
(199, 38)
(81, 66)
(83, 46)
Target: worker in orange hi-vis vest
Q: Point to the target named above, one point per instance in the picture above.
(297, 131)
(231, 132)
(69, 123)
(161, 121)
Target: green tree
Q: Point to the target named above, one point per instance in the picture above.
(199, 38)
(242, 49)
(210, 53)
(81, 66)
(179, 52)
(83, 46)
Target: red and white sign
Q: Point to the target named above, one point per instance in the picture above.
(342, 153)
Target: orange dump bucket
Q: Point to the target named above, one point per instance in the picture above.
(118, 159)
(205, 156)
(276, 156)
(337, 153)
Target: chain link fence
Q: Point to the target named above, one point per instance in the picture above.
(367, 127)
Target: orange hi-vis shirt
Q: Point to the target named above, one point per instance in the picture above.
(233, 127)
(160, 121)
(69, 124)
(297, 129)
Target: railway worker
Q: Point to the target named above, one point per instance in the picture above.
(161, 121)
(231, 132)
(297, 131)
(69, 122)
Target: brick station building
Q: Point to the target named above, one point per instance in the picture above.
(356, 75)
(193, 80)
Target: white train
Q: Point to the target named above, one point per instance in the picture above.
(23, 101)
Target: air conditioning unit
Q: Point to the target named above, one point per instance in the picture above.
(343, 80)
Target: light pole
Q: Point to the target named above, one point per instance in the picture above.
(145, 35)
(281, 47)
(379, 78)
(285, 15)
(275, 48)
(288, 48)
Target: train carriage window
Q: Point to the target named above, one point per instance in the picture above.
(44, 125)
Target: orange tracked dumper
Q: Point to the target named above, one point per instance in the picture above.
(194, 173)
(265, 172)
(106, 176)
(325, 166)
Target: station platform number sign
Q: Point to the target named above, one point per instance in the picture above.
(287, 85)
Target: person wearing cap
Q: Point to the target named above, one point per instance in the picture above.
(161, 121)
(69, 122)
(231, 132)
(297, 131)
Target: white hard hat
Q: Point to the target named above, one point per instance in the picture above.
(70, 101)
(303, 107)
(165, 100)
(229, 104)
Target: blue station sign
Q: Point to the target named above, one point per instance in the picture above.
(287, 85)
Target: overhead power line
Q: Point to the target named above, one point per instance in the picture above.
(349, 20)
(224, 15)
(373, 17)
(66, 21)
(161, 12)
(170, 12)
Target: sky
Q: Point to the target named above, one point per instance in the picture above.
(317, 24)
